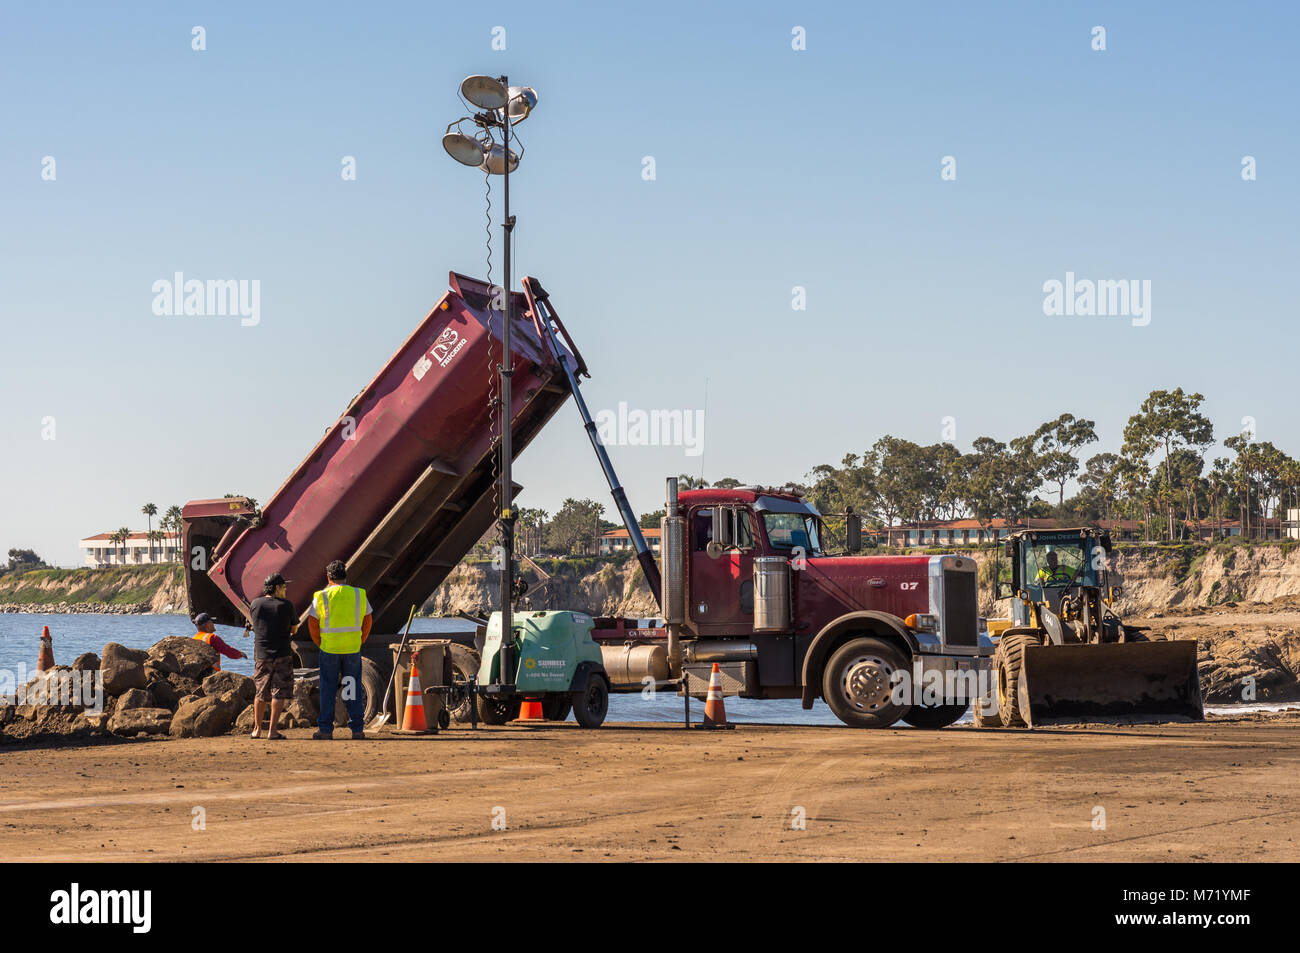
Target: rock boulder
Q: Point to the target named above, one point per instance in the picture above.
(140, 721)
(190, 657)
(123, 668)
(205, 716)
(219, 683)
(134, 698)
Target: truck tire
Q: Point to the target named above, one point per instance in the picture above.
(497, 711)
(373, 685)
(935, 716)
(1007, 661)
(463, 665)
(557, 707)
(592, 703)
(856, 683)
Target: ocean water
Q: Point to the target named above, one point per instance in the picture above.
(74, 634)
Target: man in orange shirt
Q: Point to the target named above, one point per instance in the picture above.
(207, 632)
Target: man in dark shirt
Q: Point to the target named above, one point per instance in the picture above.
(274, 622)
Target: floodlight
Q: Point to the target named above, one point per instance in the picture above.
(523, 100)
(484, 92)
(464, 149)
(494, 160)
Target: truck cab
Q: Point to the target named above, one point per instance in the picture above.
(749, 584)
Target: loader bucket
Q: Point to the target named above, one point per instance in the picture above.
(1114, 682)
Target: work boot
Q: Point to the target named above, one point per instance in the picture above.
(358, 735)
(319, 735)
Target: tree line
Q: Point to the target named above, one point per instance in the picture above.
(1162, 477)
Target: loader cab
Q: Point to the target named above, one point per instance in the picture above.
(1047, 563)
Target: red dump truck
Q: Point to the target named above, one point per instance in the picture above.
(401, 487)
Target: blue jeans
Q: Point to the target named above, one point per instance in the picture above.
(332, 669)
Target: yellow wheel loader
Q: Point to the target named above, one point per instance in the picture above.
(1066, 656)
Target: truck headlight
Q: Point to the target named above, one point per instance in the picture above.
(922, 622)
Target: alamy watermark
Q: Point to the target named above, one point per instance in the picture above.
(1106, 297)
(74, 687)
(652, 428)
(222, 297)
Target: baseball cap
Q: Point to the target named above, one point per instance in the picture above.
(202, 619)
(275, 579)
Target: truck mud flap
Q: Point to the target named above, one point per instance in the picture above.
(1122, 682)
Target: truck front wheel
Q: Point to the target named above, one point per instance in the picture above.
(857, 683)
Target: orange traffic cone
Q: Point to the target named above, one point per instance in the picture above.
(413, 716)
(715, 713)
(531, 710)
(45, 659)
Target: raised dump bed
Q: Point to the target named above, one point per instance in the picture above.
(402, 484)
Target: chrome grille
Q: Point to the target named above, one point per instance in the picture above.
(960, 609)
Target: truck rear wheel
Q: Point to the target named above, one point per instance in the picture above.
(497, 711)
(464, 664)
(1007, 662)
(592, 703)
(373, 686)
(857, 683)
(935, 716)
(556, 707)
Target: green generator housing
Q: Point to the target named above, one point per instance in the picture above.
(550, 647)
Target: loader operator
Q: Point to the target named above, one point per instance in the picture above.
(339, 622)
(1053, 574)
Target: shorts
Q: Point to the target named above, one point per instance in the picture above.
(274, 678)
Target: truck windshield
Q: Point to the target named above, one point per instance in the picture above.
(788, 530)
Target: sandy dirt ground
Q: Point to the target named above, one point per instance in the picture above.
(1221, 791)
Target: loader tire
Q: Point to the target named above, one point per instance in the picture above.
(935, 716)
(856, 683)
(1007, 662)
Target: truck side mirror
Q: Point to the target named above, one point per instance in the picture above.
(722, 527)
(1011, 549)
(1004, 590)
(853, 530)
(1105, 542)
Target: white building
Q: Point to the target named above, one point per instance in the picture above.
(618, 541)
(102, 552)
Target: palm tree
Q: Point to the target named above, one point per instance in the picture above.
(150, 511)
(116, 540)
(123, 535)
(174, 518)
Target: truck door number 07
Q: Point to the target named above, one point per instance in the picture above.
(907, 586)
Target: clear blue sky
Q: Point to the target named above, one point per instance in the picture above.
(775, 168)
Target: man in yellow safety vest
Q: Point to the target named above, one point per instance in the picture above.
(339, 621)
